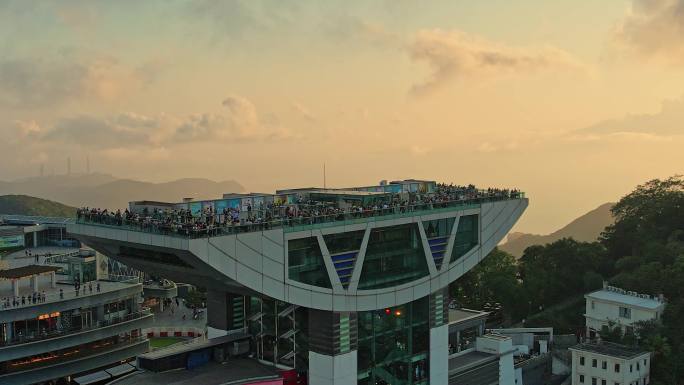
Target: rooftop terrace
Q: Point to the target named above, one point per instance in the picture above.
(296, 210)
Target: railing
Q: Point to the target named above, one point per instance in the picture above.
(64, 332)
(195, 227)
(86, 289)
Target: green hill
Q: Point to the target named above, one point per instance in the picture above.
(586, 228)
(27, 205)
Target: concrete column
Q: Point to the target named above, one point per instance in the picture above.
(9, 328)
(223, 316)
(15, 287)
(53, 280)
(35, 239)
(100, 313)
(439, 355)
(340, 369)
(34, 283)
(161, 304)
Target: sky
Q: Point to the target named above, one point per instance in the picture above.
(573, 101)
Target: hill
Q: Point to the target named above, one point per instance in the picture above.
(585, 228)
(26, 205)
(106, 191)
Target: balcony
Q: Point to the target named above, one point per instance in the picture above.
(61, 339)
(77, 360)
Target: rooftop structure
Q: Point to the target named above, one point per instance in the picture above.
(609, 363)
(322, 278)
(50, 330)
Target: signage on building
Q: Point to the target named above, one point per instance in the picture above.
(11, 241)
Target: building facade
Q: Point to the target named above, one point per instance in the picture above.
(614, 307)
(355, 295)
(609, 364)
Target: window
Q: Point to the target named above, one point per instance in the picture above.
(306, 262)
(395, 255)
(594, 363)
(604, 365)
(467, 236)
(617, 383)
(582, 360)
(593, 305)
(638, 367)
(603, 382)
(581, 379)
(617, 368)
(625, 312)
(593, 381)
(645, 361)
(631, 368)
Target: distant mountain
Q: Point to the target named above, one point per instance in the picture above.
(586, 228)
(106, 191)
(26, 205)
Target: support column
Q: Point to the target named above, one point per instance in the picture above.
(332, 348)
(15, 287)
(53, 280)
(34, 283)
(35, 239)
(225, 313)
(439, 339)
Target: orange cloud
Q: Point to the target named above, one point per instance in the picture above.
(451, 54)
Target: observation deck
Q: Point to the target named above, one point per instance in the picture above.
(354, 249)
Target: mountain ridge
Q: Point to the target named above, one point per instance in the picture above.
(28, 205)
(106, 191)
(585, 228)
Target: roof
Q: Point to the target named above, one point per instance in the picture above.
(610, 349)
(627, 299)
(26, 271)
(34, 220)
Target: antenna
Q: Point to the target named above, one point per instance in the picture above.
(324, 182)
(87, 164)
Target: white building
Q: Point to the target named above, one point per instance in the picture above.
(609, 364)
(619, 307)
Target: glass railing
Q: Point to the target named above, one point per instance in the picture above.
(46, 335)
(219, 224)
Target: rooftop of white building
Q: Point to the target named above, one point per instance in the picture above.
(616, 295)
(610, 349)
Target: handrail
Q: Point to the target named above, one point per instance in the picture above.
(201, 226)
(66, 332)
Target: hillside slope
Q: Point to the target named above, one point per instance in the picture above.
(105, 191)
(27, 205)
(585, 228)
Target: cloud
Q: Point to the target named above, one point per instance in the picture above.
(303, 111)
(41, 82)
(452, 54)
(89, 131)
(669, 122)
(654, 29)
(240, 122)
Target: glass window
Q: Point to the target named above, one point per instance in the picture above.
(581, 378)
(343, 242)
(582, 360)
(306, 262)
(603, 382)
(617, 368)
(604, 365)
(625, 312)
(593, 381)
(594, 363)
(394, 255)
(439, 228)
(466, 236)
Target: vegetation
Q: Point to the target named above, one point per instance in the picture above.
(27, 205)
(642, 251)
(162, 342)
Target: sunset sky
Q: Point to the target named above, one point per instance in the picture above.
(573, 101)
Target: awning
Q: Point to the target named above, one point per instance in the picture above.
(27, 271)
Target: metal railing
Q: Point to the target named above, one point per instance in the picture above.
(197, 227)
(41, 336)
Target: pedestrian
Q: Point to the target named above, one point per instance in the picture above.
(90, 287)
(61, 294)
(98, 287)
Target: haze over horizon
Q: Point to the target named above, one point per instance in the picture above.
(573, 102)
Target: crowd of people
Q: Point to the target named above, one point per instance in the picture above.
(209, 221)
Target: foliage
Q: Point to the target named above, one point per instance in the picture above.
(642, 251)
(27, 205)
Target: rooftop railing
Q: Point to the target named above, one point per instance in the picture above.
(219, 224)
